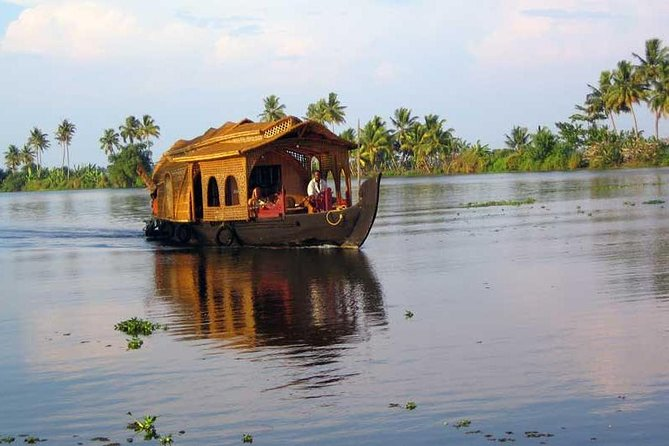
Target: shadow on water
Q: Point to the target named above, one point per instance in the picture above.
(310, 302)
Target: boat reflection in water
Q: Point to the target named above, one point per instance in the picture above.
(255, 298)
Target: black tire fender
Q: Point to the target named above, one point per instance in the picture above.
(225, 236)
(166, 229)
(184, 233)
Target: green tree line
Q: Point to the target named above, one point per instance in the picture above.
(410, 144)
(125, 149)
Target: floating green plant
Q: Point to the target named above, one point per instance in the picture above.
(33, 440)
(166, 439)
(7, 439)
(135, 343)
(485, 204)
(410, 405)
(137, 327)
(654, 202)
(145, 426)
(247, 438)
(462, 423)
(408, 314)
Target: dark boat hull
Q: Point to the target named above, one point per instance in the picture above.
(347, 228)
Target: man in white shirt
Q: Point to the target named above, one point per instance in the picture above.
(316, 185)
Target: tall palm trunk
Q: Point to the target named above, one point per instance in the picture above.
(67, 152)
(636, 126)
(613, 123)
(657, 125)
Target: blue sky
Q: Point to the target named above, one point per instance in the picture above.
(484, 66)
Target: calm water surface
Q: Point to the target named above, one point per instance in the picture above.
(551, 317)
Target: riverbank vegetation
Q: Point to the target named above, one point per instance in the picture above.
(406, 144)
(125, 149)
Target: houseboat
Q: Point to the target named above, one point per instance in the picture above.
(245, 184)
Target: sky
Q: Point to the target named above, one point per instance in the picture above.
(484, 66)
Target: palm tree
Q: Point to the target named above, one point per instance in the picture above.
(599, 96)
(148, 129)
(655, 56)
(627, 89)
(349, 135)
(109, 141)
(130, 129)
(375, 147)
(318, 111)
(27, 156)
(64, 135)
(39, 142)
(659, 97)
(334, 111)
(12, 158)
(274, 109)
(431, 143)
(518, 139)
(403, 122)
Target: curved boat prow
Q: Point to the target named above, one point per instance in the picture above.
(369, 203)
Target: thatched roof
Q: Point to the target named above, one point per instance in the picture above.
(235, 139)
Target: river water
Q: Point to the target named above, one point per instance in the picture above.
(540, 323)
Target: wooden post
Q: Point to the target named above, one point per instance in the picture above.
(358, 155)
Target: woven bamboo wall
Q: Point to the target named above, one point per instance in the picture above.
(182, 191)
(171, 195)
(221, 169)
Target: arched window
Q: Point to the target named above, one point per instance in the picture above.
(212, 193)
(315, 164)
(231, 192)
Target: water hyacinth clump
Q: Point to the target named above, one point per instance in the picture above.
(136, 327)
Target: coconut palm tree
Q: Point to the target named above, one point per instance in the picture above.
(334, 111)
(39, 142)
(403, 121)
(317, 111)
(12, 158)
(27, 158)
(375, 147)
(130, 129)
(109, 141)
(655, 56)
(64, 134)
(659, 97)
(600, 96)
(148, 129)
(349, 135)
(518, 139)
(274, 109)
(432, 143)
(627, 89)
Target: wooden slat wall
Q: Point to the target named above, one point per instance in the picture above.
(293, 175)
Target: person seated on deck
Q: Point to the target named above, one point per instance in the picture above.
(317, 193)
(255, 203)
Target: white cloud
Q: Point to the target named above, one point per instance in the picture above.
(87, 30)
(556, 33)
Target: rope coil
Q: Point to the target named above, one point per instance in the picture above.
(339, 220)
